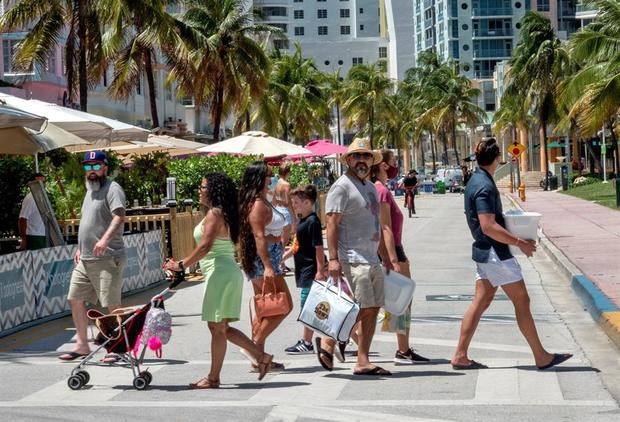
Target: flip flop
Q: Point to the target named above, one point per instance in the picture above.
(339, 351)
(558, 358)
(324, 354)
(376, 371)
(69, 356)
(111, 358)
(472, 365)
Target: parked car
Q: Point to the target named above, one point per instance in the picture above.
(452, 177)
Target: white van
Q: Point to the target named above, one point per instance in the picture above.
(452, 177)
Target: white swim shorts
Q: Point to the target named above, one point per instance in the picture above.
(499, 272)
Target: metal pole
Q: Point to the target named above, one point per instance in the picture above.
(604, 157)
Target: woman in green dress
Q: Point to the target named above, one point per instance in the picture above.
(215, 236)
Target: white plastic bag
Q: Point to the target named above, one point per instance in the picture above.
(329, 310)
(398, 291)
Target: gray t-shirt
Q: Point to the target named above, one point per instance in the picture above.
(359, 229)
(97, 214)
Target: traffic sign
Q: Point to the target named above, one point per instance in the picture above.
(516, 149)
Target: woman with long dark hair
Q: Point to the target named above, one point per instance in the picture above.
(260, 240)
(215, 236)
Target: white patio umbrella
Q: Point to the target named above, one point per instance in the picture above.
(12, 117)
(256, 143)
(120, 131)
(24, 141)
(92, 131)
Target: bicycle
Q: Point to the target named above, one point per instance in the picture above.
(410, 200)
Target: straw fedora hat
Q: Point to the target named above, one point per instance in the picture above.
(361, 145)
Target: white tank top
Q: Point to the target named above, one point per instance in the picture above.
(277, 224)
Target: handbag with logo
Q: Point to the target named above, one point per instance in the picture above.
(273, 303)
(329, 310)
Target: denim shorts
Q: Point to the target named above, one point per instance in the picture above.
(275, 250)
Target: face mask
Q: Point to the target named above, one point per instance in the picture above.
(392, 172)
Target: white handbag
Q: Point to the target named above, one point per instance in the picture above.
(398, 291)
(329, 310)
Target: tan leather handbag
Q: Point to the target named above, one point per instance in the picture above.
(271, 303)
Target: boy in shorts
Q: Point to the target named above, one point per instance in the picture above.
(308, 254)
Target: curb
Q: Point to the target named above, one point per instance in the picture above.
(600, 307)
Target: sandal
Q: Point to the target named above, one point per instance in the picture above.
(324, 354)
(203, 384)
(264, 366)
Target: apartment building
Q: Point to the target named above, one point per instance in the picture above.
(335, 33)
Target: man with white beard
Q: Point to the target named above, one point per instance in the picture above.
(100, 256)
(353, 235)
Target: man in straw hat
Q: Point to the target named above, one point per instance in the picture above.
(353, 235)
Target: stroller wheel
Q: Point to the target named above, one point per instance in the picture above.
(140, 383)
(75, 382)
(85, 376)
(147, 376)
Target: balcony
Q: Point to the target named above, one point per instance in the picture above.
(586, 8)
(502, 32)
(501, 53)
(586, 11)
(491, 11)
(429, 43)
(428, 23)
(428, 3)
(483, 74)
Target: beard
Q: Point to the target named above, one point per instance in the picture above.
(361, 170)
(94, 184)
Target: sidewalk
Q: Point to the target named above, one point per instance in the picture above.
(588, 235)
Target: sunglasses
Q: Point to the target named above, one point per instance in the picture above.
(361, 156)
(93, 167)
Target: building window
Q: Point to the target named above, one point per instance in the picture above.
(322, 30)
(345, 30)
(361, 10)
(344, 0)
(298, 14)
(139, 85)
(361, 27)
(340, 62)
(321, 1)
(358, 60)
(280, 44)
(298, 1)
(168, 92)
(345, 13)
(542, 5)
(299, 31)
(50, 63)
(382, 52)
(8, 50)
(321, 13)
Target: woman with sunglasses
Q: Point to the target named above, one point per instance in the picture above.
(215, 236)
(261, 245)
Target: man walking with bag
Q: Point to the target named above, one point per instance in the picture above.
(353, 235)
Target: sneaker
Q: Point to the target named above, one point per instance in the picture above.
(301, 348)
(409, 357)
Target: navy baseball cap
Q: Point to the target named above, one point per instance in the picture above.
(95, 156)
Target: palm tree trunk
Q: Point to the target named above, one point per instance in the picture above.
(247, 121)
(433, 153)
(614, 148)
(371, 127)
(150, 80)
(543, 153)
(218, 106)
(444, 141)
(338, 141)
(456, 148)
(522, 133)
(575, 144)
(82, 70)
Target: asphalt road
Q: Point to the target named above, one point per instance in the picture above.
(437, 241)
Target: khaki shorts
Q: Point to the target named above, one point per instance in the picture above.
(366, 282)
(98, 280)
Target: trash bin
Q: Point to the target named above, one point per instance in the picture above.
(427, 186)
(564, 177)
(441, 187)
(553, 182)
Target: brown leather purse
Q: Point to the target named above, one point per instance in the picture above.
(271, 303)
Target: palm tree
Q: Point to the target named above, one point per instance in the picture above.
(334, 85)
(513, 114)
(295, 104)
(225, 58)
(593, 93)
(135, 30)
(367, 90)
(50, 19)
(536, 68)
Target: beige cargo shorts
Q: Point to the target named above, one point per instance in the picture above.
(98, 280)
(366, 282)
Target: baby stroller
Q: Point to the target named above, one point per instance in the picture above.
(118, 333)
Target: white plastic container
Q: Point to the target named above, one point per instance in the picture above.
(398, 291)
(523, 225)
